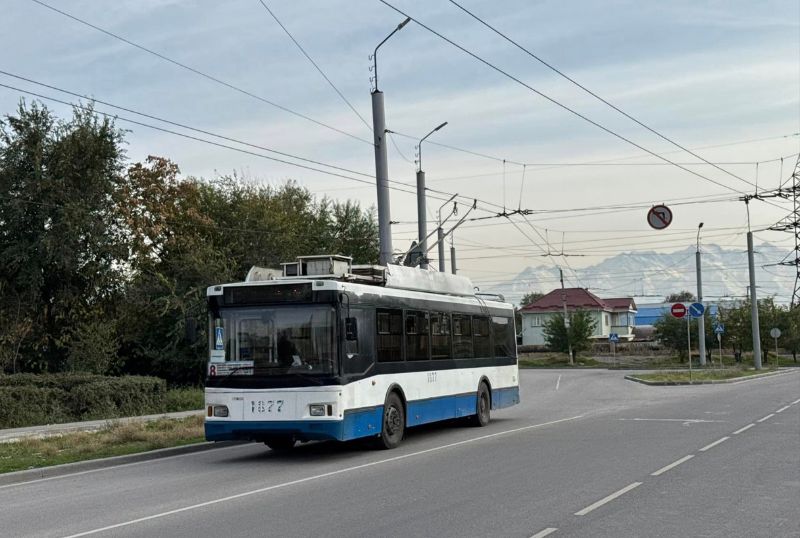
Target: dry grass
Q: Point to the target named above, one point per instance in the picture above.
(114, 440)
(699, 375)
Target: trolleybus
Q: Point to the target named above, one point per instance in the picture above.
(328, 350)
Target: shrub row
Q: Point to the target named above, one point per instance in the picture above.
(32, 400)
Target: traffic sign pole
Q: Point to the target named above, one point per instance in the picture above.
(689, 341)
(719, 339)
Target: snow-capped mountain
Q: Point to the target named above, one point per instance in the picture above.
(650, 276)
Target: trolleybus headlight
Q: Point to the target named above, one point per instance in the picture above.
(316, 410)
(220, 410)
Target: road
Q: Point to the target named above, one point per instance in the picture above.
(586, 454)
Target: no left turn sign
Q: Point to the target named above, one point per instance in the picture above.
(659, 217)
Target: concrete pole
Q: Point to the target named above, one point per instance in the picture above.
(452, 259)
(382, 178)
(701, 322)
(440, 239)
(753, 304)
(566, 317)
(422, 219)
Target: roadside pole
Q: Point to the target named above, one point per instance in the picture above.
(689, 343)
(719, 339)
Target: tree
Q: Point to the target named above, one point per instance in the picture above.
(61, 240)
(680, 297)
(581, 328)
(530, 297)
(671, 332)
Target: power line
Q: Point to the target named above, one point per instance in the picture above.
(202, 74)
(590, 92)
(318, 68)
(558, 103)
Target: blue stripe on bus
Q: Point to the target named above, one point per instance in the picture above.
(358, 423)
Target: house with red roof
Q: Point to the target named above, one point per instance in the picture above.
(616, 315)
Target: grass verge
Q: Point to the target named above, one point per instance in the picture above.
(116, 439)
(558, 362)
(699, 375)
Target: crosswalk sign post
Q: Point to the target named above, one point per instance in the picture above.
(719, 330)
(614, 338)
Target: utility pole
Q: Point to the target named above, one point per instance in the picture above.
(422, 218)
(381, 159)
(753, 304)
(452, 257)
(566, 319)
(701, 322)
(440, 240)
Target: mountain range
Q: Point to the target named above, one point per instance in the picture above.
(650, 276)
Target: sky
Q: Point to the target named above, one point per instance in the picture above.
(720, 77)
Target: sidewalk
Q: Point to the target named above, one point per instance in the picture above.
(15, 434)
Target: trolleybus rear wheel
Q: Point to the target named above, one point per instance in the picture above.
(483, 406)
(394, 422)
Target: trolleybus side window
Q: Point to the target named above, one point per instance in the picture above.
(358, 347)
(481, 338)
(440, 336)
(503, 333)
(417, 335)
(390, 334)
(462, 336)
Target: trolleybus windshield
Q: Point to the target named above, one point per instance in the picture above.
(266, 341)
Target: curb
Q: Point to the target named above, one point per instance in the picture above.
(705, 382)
(53, 471)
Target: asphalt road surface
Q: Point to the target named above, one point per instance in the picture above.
(586, 454)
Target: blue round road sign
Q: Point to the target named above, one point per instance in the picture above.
(696, 310)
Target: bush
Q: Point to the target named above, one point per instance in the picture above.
(31, 406)
(185, 399)
(44, 399)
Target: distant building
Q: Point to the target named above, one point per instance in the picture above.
(616, 315)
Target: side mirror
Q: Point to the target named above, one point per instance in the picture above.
(350, 329)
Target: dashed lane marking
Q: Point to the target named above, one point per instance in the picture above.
(762, 419)
(740, 430)
(546, 532)
(558, 382)
(715, 443)
(672, 465)
(782, 409)
(608, 499)
(318, 477)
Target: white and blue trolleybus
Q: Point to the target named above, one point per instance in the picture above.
(324, 349)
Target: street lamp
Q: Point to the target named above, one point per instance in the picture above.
(382, 160)
(419, 146)
(422, 220)
(701, 322)
(375, 53)
(440, 232)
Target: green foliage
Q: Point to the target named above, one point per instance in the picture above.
(530, 297)
(51, 398)
(680, 297)
(103, 263)
(558, 338)
(185, 399)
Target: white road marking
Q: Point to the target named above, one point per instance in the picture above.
(121, 465)
(782, 409)
(672, 465)
(319, 477)
(762, 419)
(546, 532)
(558, 382)
(684, 420)
(608, 499)
(740, 430)
(795, 402)
(715, 443)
